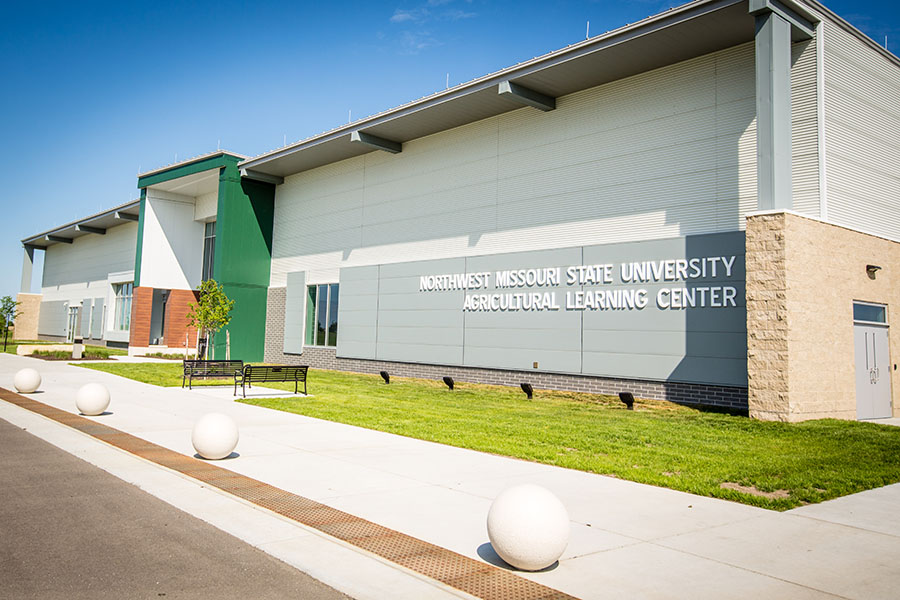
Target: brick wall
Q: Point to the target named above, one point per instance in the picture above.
(26, 324)
(141, 308)
(734, 398)
(176, 319)
(802, 278)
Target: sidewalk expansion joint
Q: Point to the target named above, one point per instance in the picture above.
(460, 572)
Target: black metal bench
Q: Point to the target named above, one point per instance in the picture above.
(210, 368)
(270, 374)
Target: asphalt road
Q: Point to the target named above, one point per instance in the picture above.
(71, 530)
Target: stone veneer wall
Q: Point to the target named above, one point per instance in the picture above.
(802, 278)
(732, 398)
(26, 324)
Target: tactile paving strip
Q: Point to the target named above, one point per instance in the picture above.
(455, 570)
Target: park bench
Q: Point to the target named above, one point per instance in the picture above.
(270, 374)
(210, 368)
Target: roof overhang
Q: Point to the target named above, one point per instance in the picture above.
(685, 32)
(96, 224)
(192, 177)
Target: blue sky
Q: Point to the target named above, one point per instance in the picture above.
(95, 92)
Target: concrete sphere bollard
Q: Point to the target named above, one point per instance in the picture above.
(27, 381)
(528, 527)
(215, 436)
(92, 399)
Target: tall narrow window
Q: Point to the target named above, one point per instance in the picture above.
(322, 315)
(209, 250)
(124, 292)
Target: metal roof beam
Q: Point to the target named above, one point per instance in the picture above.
(122, 216)
(378, 143)
(257, 176)
(789, 11)
(525, 95)
(89, 229)
(56, 238)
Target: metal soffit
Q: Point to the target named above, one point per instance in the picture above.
(92, 225)
(685, 32)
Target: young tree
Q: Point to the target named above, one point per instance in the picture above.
(8, 314)
(211, 312)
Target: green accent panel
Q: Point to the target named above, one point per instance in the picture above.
(243, 259)
(138, 252)
(214, 162)
(247, 326)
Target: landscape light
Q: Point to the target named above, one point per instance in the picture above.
(628, 399)
(449, 382)
(526, 387)
(385, 376)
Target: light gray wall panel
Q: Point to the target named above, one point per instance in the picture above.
(862, 135)
(53, 318)
(358, 312)
(438, 330)
(97, 329)
(522, 359)
(698, 344)
(294, 313)
(443, 355)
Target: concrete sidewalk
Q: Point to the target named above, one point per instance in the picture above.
(626, 538)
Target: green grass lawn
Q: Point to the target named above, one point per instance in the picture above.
(773, 465)
(99, 351)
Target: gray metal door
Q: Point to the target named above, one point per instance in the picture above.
(873, 375)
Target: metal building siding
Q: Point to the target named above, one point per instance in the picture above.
(666, 153)
(68, 268)
(862, 121)
(804, 129)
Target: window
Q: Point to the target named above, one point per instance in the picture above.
(871, 313)
(209, 250)
(322, 314)
(124, 292)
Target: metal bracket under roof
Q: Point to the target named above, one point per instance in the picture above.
(122, 216)
(89, 229)
(56, 238)
(789, 11)
(264, 177)
(525, 95)
(373, 141)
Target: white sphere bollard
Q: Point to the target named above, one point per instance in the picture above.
(528, 527)
(92, 399)
(215, 436)
(27, 381)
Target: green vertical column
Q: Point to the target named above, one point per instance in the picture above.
(243, 259)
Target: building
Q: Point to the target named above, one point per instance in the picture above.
(703, 206)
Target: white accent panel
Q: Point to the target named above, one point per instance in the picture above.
(862, 120)
(173, 242)
(73, 272)
(666, 153)
(206, 206)
(804, 129)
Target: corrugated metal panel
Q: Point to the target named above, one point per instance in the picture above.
(90, 258)
(862, 119)
(804, 129)
(665, 153)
